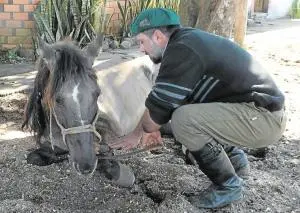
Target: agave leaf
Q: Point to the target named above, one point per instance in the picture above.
(58, 35)
(106, 22)
(87, 35)
(81, 40)
(148, 4)
(75, 11)
(46, 27)
(91, 28)
(59, 21)
(122, 10)
(84, 6)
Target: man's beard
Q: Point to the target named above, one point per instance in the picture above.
(156, 57)
(155, 60)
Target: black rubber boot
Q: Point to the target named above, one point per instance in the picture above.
(239, 160)
(227, 186)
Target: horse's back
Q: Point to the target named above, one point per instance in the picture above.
(124, 89)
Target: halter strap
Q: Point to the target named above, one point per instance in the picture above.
(73, 130)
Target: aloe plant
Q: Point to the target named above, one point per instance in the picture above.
(79, 19)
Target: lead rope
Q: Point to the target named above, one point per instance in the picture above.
(130, 154)
(92, 128)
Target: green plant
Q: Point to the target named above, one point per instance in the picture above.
(171, 4)
(295, 9)
(80, 20)
(132, 8)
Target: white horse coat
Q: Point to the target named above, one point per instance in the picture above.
(124, 89)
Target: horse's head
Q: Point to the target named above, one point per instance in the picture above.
(64, 100)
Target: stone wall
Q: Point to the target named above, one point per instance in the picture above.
(17, 23)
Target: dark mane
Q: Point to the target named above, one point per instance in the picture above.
(34, 115)
(69, 62)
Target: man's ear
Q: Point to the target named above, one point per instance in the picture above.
(159, 38)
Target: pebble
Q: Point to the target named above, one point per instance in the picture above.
(295, 161)
(125, 45)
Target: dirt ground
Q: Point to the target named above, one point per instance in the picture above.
(163, 180)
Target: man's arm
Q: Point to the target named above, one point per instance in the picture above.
(148, 125)
(146, 133)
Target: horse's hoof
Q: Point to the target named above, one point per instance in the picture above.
(126, 176)
(120, 174)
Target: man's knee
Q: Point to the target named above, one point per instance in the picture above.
(180, 120)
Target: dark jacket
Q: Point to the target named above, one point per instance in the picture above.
(198, 67)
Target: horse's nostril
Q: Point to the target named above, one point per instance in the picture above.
(85, 169)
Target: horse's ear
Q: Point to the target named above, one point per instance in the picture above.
(93, 48)
(44, 48)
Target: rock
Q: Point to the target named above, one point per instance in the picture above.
(114, 44)
(125, 45)
(132, 40)
(295, 161)
(105, 45)
(250, 22)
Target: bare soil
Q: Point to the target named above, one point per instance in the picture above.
(163, 179)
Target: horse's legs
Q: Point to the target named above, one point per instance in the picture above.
(45, 155)
(119, 173)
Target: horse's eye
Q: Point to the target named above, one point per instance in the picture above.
(59, 100)
(96, 93)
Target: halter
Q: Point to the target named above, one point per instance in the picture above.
(92, 128)
(73, 130)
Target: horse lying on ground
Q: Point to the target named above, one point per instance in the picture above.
(71, 102)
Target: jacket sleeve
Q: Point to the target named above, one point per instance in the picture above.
(180, 70)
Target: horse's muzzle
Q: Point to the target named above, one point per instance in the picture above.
(85, 169)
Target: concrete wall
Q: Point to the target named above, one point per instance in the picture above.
(17, 23)
(279, 8)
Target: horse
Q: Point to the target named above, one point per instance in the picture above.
(72, 102)
(63, 104)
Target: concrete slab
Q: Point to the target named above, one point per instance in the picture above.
(20, 77)
(13, 69)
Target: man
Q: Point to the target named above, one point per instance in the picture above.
(216, 96)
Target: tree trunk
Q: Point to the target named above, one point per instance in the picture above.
(217, 16)
(188, 11)
(241, 15)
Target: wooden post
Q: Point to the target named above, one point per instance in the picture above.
(241, 16)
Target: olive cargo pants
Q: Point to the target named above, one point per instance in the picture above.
(237, 124)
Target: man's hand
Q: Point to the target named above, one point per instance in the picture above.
(147, 130)
(151, 139)
(127, 142)
(133, 140)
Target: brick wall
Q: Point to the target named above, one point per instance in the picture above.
(16, 23)
(112, 9)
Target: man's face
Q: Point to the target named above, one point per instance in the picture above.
(150, 46)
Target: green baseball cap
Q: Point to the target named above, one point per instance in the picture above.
(154, 17)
